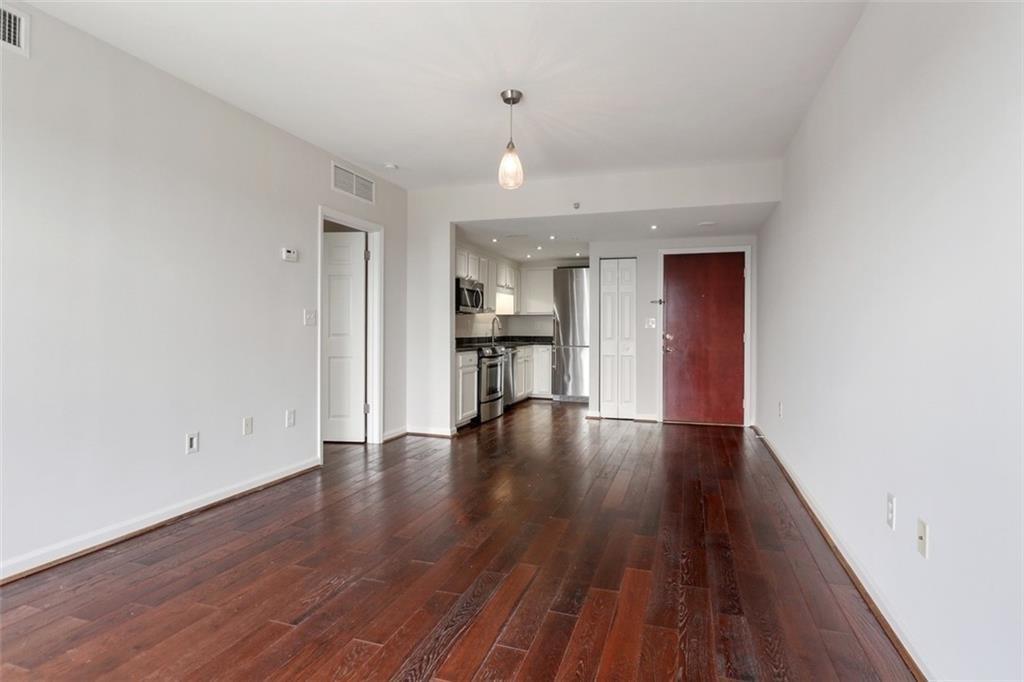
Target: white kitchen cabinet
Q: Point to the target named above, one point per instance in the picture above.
(487, 277)
(461, 263)
(522, 389)
(541, 372)
(473, 266)
(537, 293)
(467, 386)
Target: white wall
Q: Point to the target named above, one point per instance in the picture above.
(890, 323)
(648, 351)
(144, 296)
(432, 213)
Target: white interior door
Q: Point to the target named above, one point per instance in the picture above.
(343, 337)
(618, 338)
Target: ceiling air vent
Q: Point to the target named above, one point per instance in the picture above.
(14, 31)
(352, 183)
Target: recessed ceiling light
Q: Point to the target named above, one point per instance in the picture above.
(577, 253)
(529, 256)
(551, 237)
(391, 165)
(494, 240)
(654, 227)
(540, 248)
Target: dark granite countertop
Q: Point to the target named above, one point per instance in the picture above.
(474, 342)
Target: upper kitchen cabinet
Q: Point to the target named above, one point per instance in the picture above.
(537, 293)
(461, 263)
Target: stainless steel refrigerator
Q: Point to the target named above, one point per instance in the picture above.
(570, 354)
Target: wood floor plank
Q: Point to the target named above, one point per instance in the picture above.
(621, 656)
(536, 546)
(473, 646)
(545, 655)
(583, 653)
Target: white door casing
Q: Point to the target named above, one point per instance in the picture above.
(618, 338)
(343, 329)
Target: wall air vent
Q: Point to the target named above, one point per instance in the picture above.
(14, 31)
(352, 183)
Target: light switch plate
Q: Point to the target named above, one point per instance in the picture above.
(309, 317)
(289, 418)
(890, 511)
(246, 426)
(289, 255)
(191, 443)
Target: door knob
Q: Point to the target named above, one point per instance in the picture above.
(669, 337)
(669, 349)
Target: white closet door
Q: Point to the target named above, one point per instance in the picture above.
(627, 338)
(618, 338)
(609, 335)
(343, 329)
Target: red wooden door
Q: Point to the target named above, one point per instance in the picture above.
(702, 358)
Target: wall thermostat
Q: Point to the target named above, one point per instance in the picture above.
(290, 255)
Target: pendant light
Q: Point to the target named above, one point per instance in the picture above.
(510, 170)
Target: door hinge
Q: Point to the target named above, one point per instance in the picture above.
(366, 408)
(366, 255)
(744, 337)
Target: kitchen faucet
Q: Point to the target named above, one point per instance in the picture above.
(493, 320)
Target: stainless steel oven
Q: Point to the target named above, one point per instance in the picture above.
(469, 296)
(492, 379)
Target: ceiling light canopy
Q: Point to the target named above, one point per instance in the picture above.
(510, 170)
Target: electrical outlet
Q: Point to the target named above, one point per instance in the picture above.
(780, 409)
(890, 511)
(191, 443)
(289, 418)
(246, 426)
(922, 538)
(309, 317)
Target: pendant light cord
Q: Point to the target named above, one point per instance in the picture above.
(510, 122)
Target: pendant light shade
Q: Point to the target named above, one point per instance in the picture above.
(510, 170)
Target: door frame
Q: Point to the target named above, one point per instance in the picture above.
(374, 322)
(748, 329)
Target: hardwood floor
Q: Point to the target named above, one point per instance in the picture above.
(539, 546)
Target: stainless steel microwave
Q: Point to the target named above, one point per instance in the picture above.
(469, 296)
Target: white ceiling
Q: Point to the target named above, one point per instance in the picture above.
(518, 237)
(609, 86)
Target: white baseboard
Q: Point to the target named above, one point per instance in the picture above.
(393, 434)
(442, 431)
(99, 538)
(646, 418)
(593, 414)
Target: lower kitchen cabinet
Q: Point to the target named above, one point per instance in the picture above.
(522, 360)
(541, 372)
(467, 386)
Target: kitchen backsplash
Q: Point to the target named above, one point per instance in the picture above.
(511, 325)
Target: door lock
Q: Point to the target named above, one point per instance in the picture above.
(668, 349)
